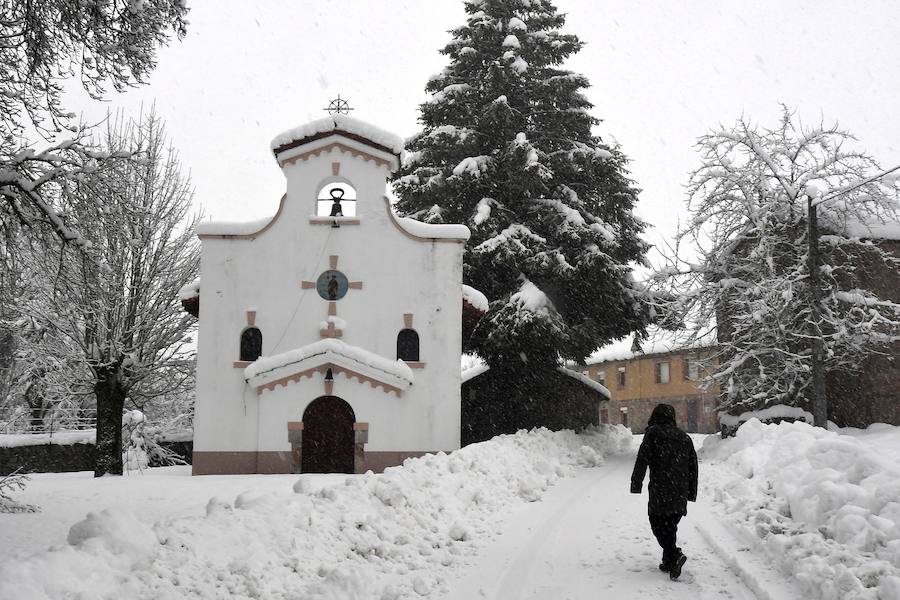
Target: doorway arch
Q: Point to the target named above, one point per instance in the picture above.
(328, 438)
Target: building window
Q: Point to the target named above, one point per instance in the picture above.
(600, 376)
(692, 369)
(662, 372)
(408, 345)
(251, 344)
(621, 377)
(337, 199)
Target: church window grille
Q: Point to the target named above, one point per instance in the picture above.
(251, 344)
(408, 345)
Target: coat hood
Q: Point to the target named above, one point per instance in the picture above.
(663, 414)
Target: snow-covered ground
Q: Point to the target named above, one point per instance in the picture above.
(784, 512)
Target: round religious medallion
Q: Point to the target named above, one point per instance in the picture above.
(332, 285)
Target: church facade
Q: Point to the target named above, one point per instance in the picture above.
(330, 333)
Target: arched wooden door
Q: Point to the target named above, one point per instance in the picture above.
(328, 436)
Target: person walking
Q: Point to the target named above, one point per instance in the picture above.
(670, 455)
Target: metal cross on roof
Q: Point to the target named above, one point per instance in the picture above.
(338, 106)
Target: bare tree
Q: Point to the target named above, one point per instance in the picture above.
(740, 270)
(42, 45)
(117, 299)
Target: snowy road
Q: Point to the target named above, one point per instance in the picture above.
(589, 538)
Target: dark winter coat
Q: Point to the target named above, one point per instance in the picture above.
(670, 454)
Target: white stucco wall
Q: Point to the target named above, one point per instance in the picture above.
(399, 274)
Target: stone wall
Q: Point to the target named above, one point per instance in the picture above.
(64, 458)
(48, 458)
(497, 402)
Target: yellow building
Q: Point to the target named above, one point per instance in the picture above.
(640, 377)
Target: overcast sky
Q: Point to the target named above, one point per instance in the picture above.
(662, 74)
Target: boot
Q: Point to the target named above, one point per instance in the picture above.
(675, 569)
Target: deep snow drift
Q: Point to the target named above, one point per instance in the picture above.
(374, 536)
(824, 506)
(818, 511)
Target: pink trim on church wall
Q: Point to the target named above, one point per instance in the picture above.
(270, 463)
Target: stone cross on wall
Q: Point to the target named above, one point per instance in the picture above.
(331, 285)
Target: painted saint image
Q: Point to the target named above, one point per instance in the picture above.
(332, 285)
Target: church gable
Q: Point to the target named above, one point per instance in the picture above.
(340, 132)
(334, 307)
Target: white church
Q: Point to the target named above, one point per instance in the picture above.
(330, 333)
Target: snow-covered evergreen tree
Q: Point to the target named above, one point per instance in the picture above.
(507, 149)
(742, 274)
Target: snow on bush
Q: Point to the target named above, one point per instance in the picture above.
(376, 536)
(9, 484)
(825, 507)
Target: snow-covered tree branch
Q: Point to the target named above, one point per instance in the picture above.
(739, 269)
(43, 44)
(116, 302)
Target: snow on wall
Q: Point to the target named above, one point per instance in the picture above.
(433, 231)
(190, 290)
(343, 123)
(59, 438)
(475, 298)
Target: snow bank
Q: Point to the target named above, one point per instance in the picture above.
(374, 537)
(824, 507)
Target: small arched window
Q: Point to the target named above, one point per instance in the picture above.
(408, 345)
(336, 199)
(251, 344)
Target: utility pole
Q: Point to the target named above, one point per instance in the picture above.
(820, 402)
(817, 359)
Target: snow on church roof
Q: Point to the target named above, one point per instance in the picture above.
(231, 227)
(584, 379)
(659, 341)
(472, 366)
(340, 123)
(369, 364)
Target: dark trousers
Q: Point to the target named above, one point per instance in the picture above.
(665, 529)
